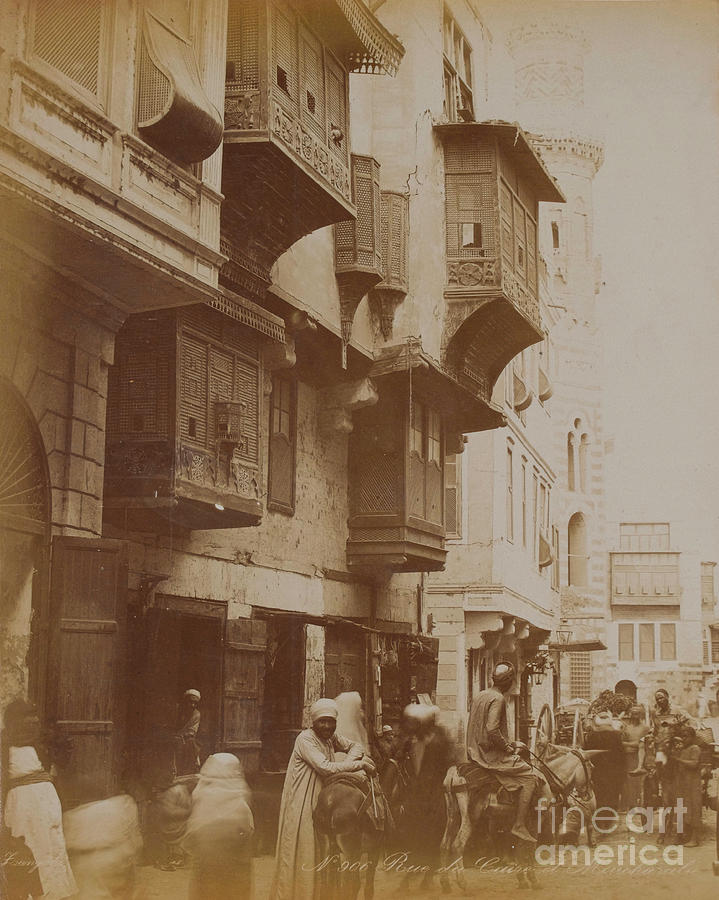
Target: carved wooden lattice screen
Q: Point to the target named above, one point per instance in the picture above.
(243, 52)
(67, 34)
(312, 85)
(215, 372)
(470, 189)
(139, 380)
(337, 124)
(394, 229)
(284, 54)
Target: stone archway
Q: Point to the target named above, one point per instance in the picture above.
(24, 534)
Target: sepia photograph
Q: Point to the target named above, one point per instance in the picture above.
(359, 483)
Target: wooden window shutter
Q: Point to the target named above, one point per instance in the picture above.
(243, 690)
(88, 605)
(452, 496)
(283, 434)
(67, 34)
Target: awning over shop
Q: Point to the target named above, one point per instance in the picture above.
(578, 646)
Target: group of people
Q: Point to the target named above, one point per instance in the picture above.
(626, 774)
(92, 851)
(420, 754)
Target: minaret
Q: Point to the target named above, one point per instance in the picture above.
(549, 86)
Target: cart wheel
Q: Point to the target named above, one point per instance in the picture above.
(543, 732)
(577, 731)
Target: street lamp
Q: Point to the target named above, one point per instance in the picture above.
(564, 633)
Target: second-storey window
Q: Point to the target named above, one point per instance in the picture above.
(453, 495)
(283, 431)
(458, 102)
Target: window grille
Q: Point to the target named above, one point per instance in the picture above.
(243, 31)
(580, 675)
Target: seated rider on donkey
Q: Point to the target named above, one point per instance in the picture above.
(489, 746)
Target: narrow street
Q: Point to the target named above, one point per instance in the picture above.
(690, 873)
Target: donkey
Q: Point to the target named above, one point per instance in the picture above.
(351, 819)
(568, 788)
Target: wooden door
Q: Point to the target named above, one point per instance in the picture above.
(345, 661)
(87, 664)
(243, 690)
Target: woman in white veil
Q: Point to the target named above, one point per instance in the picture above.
(350, 719)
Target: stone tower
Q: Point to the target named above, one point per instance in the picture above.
(549, 86)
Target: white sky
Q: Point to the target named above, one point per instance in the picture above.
(651, 94)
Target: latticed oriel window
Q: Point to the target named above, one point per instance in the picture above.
(458, 100)
(580, 675)
(283, 445)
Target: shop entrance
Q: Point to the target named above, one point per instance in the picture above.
(177, 645)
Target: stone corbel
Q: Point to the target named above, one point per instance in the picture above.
(339, 402)
(523, 396)
(383, 302)
(299, 320)
(508, 638)
(523, 632)
(352, 286)
(454, 443)
(278, 356)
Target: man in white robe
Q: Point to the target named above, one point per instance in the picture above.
(312, 761)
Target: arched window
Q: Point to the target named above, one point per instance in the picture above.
(570, 462)
(578, 556)
(584, 463)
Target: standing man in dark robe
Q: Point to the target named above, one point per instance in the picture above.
(427, 752)
(489, 746)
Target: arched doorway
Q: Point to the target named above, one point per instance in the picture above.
(24, 536)
(626, 688)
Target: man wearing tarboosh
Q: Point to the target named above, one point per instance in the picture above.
(313, 759)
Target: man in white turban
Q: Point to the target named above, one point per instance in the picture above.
(313, 759)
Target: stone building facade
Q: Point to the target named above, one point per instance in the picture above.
(660, 600)
(549, 85)
(232, 377)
